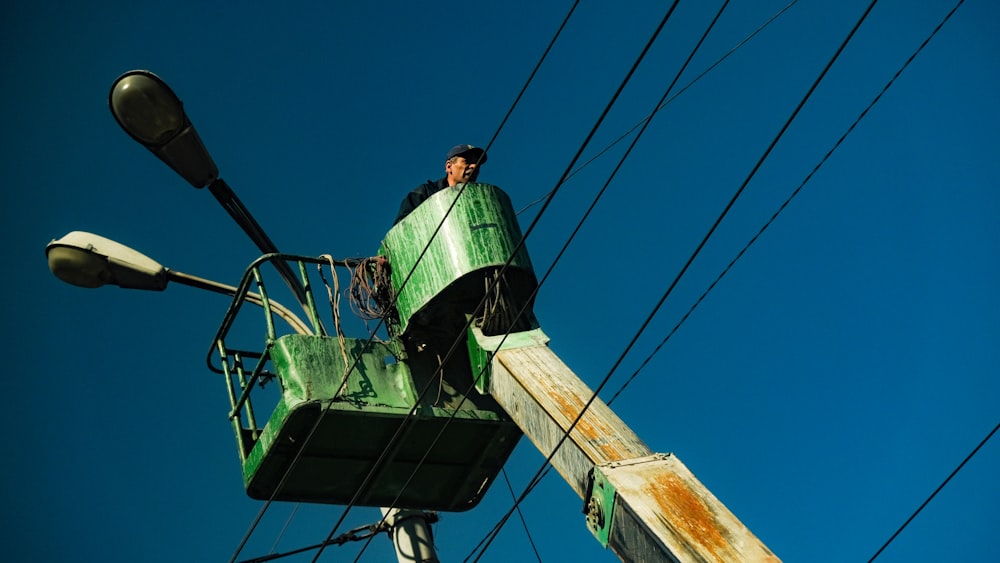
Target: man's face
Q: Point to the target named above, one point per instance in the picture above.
(459, 170)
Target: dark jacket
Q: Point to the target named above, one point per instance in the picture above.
(418, 195)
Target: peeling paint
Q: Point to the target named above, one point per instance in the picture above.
(600, 432)
(666, 513)
(598, 436)
(694, 519)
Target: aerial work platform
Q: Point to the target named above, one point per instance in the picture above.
(374, 438)
(396, 422)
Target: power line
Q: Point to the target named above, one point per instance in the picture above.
(569, 167)
(787, 201)
(523, 91)
(937, 490)
(969, 457)
(663, 103)
(492, 534)
(579, 225)
(535, 222)
(771, 220)
(520, 245)
(312, 431)
(531, 76)
(420, 257)
(288, 523)
(520, 515)
(644, 124)
(357, 534)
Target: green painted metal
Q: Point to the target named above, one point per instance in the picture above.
(482, 348)
(600, 507)
(400, 428)
(478, 232)
(480, 361)
(443, 459)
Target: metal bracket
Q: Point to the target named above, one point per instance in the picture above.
(602, 494)
(600, 506)
(482, 348)
(480, 359)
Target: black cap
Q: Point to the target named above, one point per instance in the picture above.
(471, 153)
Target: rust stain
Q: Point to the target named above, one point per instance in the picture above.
(599, 437)
(688, 515)
(681, 509)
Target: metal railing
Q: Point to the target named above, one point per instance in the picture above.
(245, 369)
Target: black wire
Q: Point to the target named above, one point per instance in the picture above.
(701, 75)
(288, 522)
(435, 233)
(531, 76)
(562, 180)
(785, 204)
(644, 124)
(367, 345)
(419, 258)
(527, 233)
(660, 104)
(555, 190)
(937, 490)
(405, 281)
(825, 158)
(680, 274)
(370, 531)
(520, 515)
(531, 486)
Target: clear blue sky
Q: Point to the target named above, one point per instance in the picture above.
(822, 391)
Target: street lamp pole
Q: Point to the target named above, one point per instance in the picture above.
(151, 113)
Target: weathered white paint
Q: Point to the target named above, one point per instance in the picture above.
(662, 512)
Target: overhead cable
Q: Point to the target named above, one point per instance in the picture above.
(357, 534)
(659, 304)
(644, 124)
(562, 181)
(583, 146)
(367, 345)
(421, 256)
(669, 100)
(552, 193)
(936, 491)
(785, 204)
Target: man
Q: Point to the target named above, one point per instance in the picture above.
(460, 166)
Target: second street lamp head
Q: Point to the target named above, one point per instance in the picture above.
(88, 260)
(148, 110)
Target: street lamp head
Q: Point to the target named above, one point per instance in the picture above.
(148, 110)
(89, 260)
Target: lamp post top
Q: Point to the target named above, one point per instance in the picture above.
(151, 113)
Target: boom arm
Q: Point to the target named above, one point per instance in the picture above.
(644, 506)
